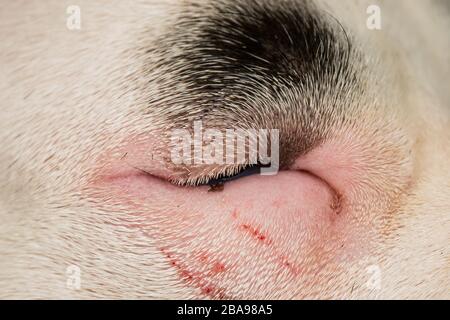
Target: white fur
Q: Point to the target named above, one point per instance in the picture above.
(65, 95)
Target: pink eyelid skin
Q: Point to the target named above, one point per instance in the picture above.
(260, 229)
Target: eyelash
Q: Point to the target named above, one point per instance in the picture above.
(219, 178)
(244, 172)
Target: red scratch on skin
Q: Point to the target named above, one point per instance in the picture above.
(218, 267)
(289, 265)
(263, 239)
(282, 260)
(207, 290)
(257, 234)
(184, 273)
(197, 279)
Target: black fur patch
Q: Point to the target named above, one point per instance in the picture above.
(291, 44)
(226, 53)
